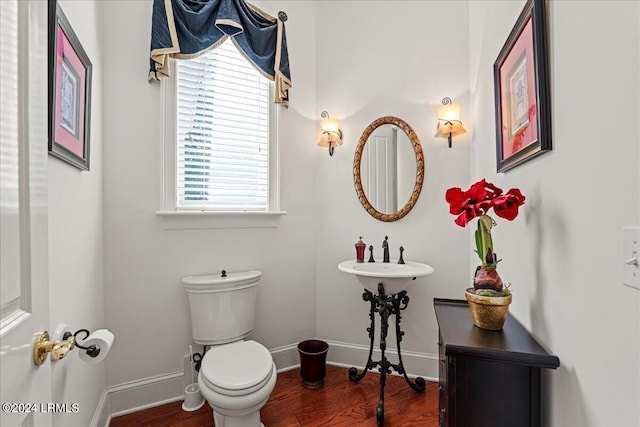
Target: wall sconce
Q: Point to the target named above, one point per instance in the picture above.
(449, 124)
(331, 133)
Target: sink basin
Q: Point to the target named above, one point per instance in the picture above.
(395, 277)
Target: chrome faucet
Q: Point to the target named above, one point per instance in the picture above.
(385, 249)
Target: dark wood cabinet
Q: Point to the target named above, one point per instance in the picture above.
(487, 378)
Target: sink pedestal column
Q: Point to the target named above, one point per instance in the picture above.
(385, 305)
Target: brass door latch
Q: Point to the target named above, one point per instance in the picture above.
(58, 349)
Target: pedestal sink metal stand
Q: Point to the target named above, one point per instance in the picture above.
(385, 305)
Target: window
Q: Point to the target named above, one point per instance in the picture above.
(220, 136)
(223, 132)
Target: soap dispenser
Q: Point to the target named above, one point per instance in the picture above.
(360, 246)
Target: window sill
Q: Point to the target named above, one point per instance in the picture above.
(199, 220)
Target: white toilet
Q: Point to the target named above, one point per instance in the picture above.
(236, 376)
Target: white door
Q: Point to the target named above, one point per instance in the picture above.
(379, 169)
(24, 308)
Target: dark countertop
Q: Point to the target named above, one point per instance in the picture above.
(513, 344)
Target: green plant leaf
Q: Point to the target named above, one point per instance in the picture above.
(479, 242)
(484, 227)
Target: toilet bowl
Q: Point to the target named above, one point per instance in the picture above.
(236, 377)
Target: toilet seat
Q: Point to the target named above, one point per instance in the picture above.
(237, 369)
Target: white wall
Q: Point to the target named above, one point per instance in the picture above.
(563, 253)
(376, 59)
(359, 63)
(146, 306)
(76, 238)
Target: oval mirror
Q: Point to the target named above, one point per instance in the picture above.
(388, 168)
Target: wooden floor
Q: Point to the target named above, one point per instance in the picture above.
(339, 403)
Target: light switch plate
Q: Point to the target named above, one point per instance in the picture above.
(631, 251)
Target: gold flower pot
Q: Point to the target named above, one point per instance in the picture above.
(488, 312)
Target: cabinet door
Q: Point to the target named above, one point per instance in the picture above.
(489, 394)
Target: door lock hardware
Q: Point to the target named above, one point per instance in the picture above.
(58, 349)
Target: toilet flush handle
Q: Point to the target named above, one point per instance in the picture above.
(224, 273)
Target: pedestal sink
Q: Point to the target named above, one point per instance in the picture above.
(385, 286)
(395, 277)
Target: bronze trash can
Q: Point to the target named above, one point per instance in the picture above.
(313, 357)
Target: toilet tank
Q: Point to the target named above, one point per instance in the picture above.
(223, 307)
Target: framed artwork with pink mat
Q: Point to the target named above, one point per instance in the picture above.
(521, 85)
(69, 92)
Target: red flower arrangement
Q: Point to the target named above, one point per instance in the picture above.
(480, 198)
(477, 201)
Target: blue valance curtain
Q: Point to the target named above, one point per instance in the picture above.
(185, 29)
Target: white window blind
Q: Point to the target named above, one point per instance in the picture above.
(222, 133)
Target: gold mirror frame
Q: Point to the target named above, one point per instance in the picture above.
(417, 149)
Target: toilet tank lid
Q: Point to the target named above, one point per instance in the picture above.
(217, 279)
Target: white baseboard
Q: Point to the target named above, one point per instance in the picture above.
(102, 414)
(154, 391)
(285, 357)
(415, 364)
(347, 355)
(145, 393)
